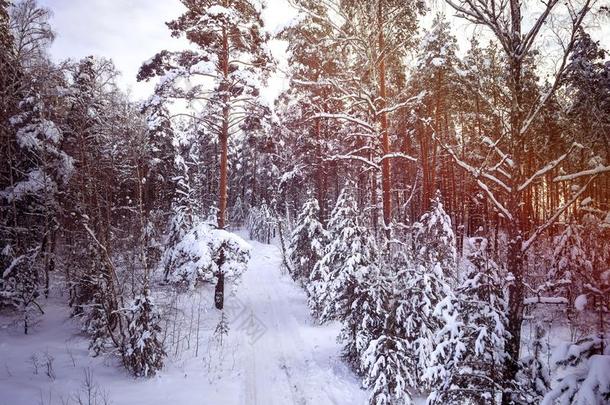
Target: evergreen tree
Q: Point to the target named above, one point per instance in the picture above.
(351, 253)
(368, 304)
(184, 217)
(307, 242)
(436, 83)
(418, 292)
(470, 348)
(585, 376)
(385, 361)
(384, 353)
(435, 241)
(143, 351)
(261, 223)
(313, 61)
(533, 379)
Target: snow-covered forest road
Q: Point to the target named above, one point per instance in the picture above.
(294, 361)
(274, 353)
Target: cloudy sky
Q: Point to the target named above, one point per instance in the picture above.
(131, 31)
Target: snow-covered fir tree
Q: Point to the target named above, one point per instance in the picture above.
(585, 376)
(261, 223)
(533, 379)
(469, 353)
(434, 239)
(143, 351)
(352, 251)
(384, 363)
(384, 352)
(368, 304)
(583, 366)
(307, 241)
(96, 310)
(184, 206)
(418, 291)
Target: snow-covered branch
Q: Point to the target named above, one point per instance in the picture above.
(590, 172)
(528, 243)
(550, 166)
(345, 117)
(354, 157)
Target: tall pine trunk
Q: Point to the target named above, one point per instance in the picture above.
(222, 188)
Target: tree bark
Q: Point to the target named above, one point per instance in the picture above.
(222, 187)
(386, 181)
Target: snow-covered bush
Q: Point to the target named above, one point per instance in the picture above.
(143, 351)
(195, 257)
(307, 241)
(585, 379)
(19, 285)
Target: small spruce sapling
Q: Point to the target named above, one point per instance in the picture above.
(143, 351)
(307, 241)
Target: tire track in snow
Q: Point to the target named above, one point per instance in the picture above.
(280, 368)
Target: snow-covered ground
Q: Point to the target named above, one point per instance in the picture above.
(274, 352)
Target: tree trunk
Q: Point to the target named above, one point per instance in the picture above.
(515, 207)
(222, 188)
(386, 181)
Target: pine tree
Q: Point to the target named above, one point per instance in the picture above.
(437, 84)
(470, 348)
(229, 41)
(307, 241)
(313, 61)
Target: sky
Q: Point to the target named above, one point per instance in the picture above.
(132, 31)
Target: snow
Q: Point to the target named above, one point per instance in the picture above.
(438, 61)
(586, 201)
(36, 181)
(580, 302)
(591, 172)
(293, 360)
